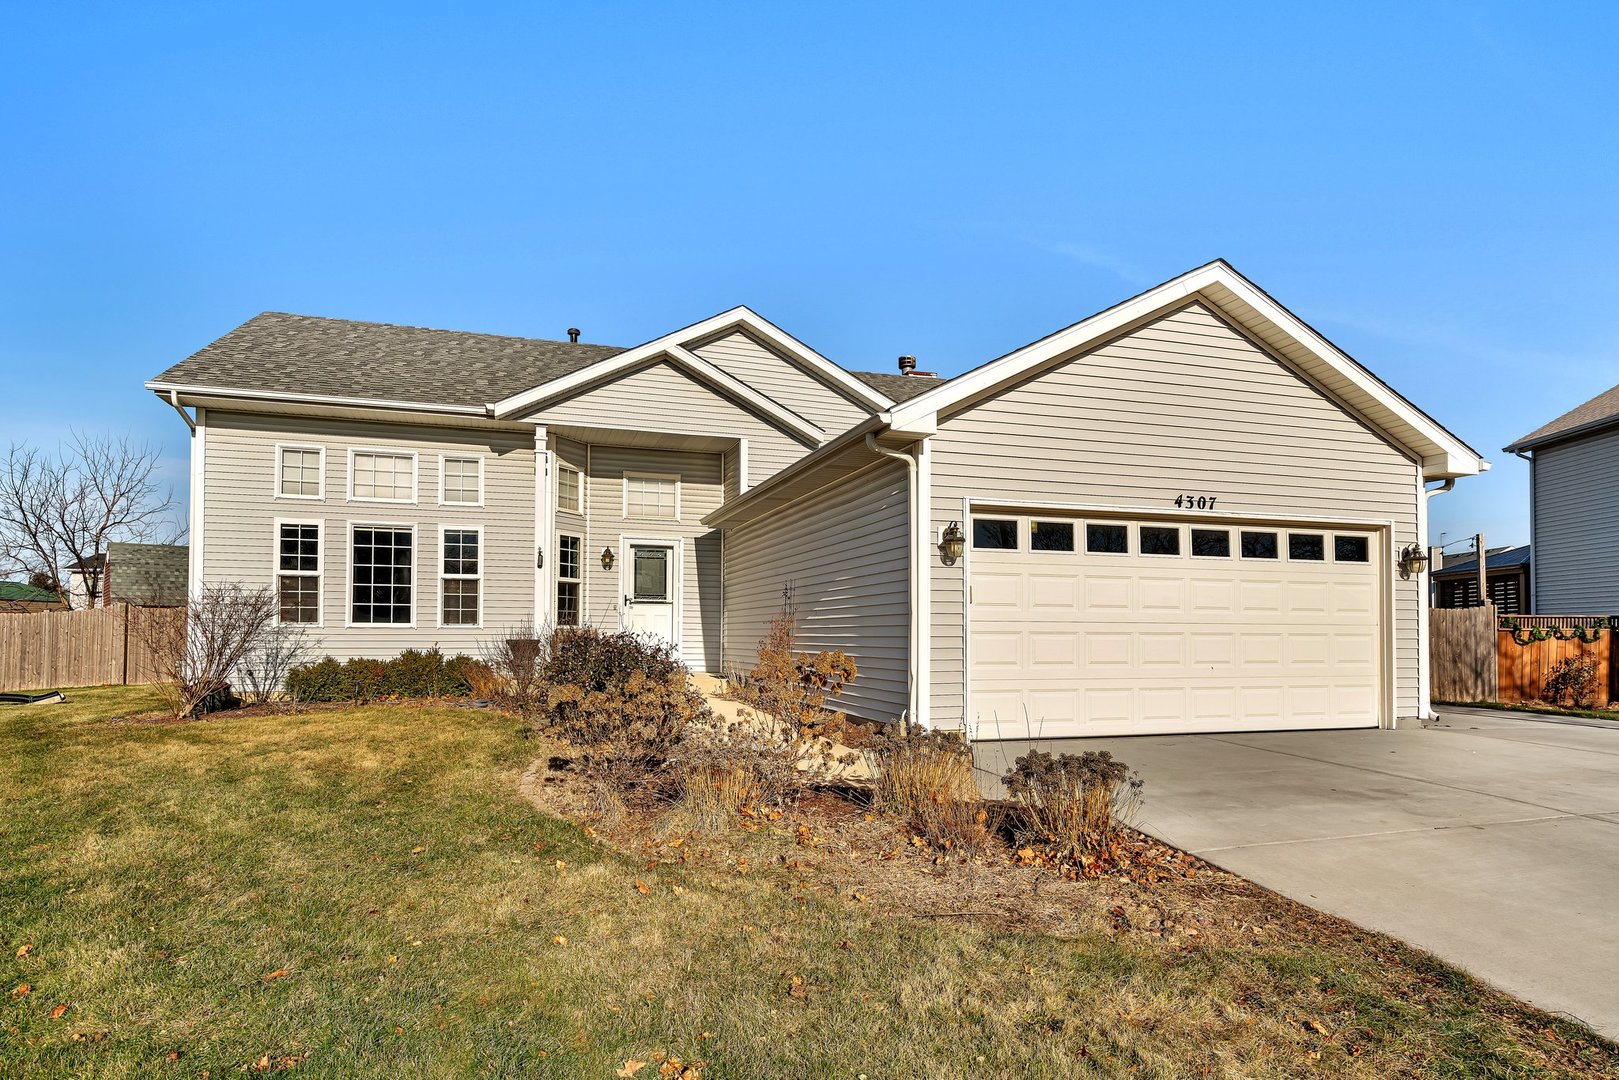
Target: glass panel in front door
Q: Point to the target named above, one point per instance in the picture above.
(651, 578)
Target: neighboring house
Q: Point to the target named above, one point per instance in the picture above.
(1506, 579)
(1189, 512)
(84, 581)
(1573, 522)
(18, 596)
(146, 575)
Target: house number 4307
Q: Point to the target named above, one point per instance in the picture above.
(1195, 502)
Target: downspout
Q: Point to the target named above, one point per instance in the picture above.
(913, 490)
(1425, 679)
(174, 400)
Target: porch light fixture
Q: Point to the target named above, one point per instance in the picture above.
(608, 558)
(952, 543)
(1413, 561)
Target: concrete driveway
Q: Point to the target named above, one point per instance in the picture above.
(1490, 839)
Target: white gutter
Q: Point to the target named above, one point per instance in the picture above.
(918, 529)
(174, 400)
(317, 399)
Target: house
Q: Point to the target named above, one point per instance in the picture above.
(146, 575)
(20, 597)
(1188, 512)
(1506, 579)
(84, 581)
(1574, 533)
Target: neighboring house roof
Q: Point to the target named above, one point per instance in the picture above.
(1600, 412)
(147, 573)
(304, 356)
(1505, 559)
(23, 593)
(94, 563)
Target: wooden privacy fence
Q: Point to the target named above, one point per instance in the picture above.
(44, 650)
(1462, 654)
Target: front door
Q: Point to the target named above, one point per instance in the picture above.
(650, 597)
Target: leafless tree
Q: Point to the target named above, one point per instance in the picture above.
(194, 651)
(63, 509)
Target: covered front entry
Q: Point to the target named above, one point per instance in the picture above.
(1113, 625)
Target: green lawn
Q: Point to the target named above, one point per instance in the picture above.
(365, 893)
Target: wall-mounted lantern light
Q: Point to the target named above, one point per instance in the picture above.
(1413, 561)
(952, 543)
(608, 558)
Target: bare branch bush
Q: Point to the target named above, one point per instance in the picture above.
(282, 647)
(195, 654)
(514, 658)
(64, 508)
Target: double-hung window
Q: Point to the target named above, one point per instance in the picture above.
(461, 481)
(568, 491)
(461, 577)
(569, 566)
(300, 472)
(651, 497)
(381, 476)
(297, 564)
(383, 574)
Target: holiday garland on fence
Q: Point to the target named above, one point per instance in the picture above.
(1525, 635)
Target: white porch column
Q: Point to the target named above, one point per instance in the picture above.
(544, 532)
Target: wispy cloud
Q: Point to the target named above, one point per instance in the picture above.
(1088, 255)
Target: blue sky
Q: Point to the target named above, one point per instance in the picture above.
(1431, 186)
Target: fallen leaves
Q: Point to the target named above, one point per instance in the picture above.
(559, 940)
(59, 1012)
(24, 950)
(22, 991)
(641, 887)
(796, 988)
(630, 1068)
(278, 973)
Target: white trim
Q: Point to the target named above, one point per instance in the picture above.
(319, 573)
(570, 533)
(1227, 517)
(483, 558)
(382, 451)
(735, 318)
(1425, 595)
(1180, 540)
(195, 515)
(624, 488)
(315, 399)
(741, 466)
(1444, 454)
(922, 552)
(544, 526)
(466, 456)
(280, 464)
(677, 582)
(415, 574)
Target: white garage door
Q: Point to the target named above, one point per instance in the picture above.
(1107, 626)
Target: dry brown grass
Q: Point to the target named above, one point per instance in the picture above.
(927, 779)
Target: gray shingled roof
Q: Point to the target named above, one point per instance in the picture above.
(1493, 560)
(1598, 412)
(147, 573)
(303, 354)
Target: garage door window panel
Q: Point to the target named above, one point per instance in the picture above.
(1211, 543)
(1259, 545)
(1051, 536)
(1351, 549)
(995, 534)
(1105, 539)
(1306, 547)
(1160, 540)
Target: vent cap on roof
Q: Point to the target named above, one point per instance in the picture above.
(573, 334)
(907, 366)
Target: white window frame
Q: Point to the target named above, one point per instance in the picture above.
(415, 575)
(319, 573)
(1077, 534)
(1332, 540)
(1083, 542)
(442, 459)
(1018, 529)
(1286, 546)
(579, 487)
(1180, 538)
(280, 466)
(625, 507)
(415, 474)
(1233, 543)
(483, 558)
(1281, 543)
(579, 581)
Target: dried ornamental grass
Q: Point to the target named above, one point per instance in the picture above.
(927, 778)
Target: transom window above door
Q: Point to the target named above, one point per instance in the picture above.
(651, 497)
(381, 476)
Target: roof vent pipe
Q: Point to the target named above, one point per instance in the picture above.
(907, 364)
(573, 334)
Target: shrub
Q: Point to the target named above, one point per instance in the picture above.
(738, 772)
(1572, 680)
(927, 778)
(513, 663)
(1074, 804)
(795, 688)
(280, 649)
(413, 673)
(194, 649)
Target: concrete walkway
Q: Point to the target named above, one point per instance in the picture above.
(1488, 838)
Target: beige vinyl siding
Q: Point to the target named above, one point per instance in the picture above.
(240, 508)
(1576, 527)
(701, 490)
(663, 398)
(1182, 405)
(784, 382)
(843, 553)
